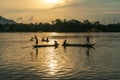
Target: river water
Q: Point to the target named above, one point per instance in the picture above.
(20, 61)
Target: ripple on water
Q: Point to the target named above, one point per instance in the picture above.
(19, 61)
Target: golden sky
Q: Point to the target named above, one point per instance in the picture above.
(28, 11)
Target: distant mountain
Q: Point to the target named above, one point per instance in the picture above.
(6, 21)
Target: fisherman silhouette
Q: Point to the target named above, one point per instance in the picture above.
(64, 43)
(56, 44)
(43, 39)
(88, 40)
(47, 39)
(36, 40)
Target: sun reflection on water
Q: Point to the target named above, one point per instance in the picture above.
(52, 62)
(52, 67)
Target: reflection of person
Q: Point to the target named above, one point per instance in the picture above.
(34, 57)
(36, 39)
(88, 51)
(36, 53)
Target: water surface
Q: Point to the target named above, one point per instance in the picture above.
(20, 61)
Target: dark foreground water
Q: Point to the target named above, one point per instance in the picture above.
(20, 61)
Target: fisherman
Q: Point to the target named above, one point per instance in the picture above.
(31, 39)
(55, 43)
(64, 43)
(43, 39)
(36, 40)
(47, 39)
(88, 39)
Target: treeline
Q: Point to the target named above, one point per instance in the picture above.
(59, 25)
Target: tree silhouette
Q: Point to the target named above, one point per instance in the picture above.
(59, 25)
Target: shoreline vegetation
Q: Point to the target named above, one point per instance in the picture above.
(59, 25)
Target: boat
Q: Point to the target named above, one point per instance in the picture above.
(38, 46)
(78, 45)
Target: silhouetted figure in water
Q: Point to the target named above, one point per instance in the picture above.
(43, 39)
(47, 39)
(64, 43)
(36, 40)
(88, 39)
(31, 39)
(55, 43)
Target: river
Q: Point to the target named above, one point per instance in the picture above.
(20, 61)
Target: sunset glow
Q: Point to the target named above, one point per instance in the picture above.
(27, 11)
(52, 1)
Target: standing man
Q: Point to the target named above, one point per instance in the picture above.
(88, 39)
(36, 40)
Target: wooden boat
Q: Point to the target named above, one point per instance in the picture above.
(38, 46)
(78, 45)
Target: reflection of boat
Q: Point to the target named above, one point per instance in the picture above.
(37, 46)
(78, 45)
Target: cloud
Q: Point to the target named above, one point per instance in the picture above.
(67, 3)
(69, 9)
(89, 4)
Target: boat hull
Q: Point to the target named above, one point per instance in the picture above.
(78, 45)
(38, 46)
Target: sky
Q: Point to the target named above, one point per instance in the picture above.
(35, 11)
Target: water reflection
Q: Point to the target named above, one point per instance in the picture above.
(59, 62)
(88, 51)
(51, 62)
(34, 57)
(73, 63)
